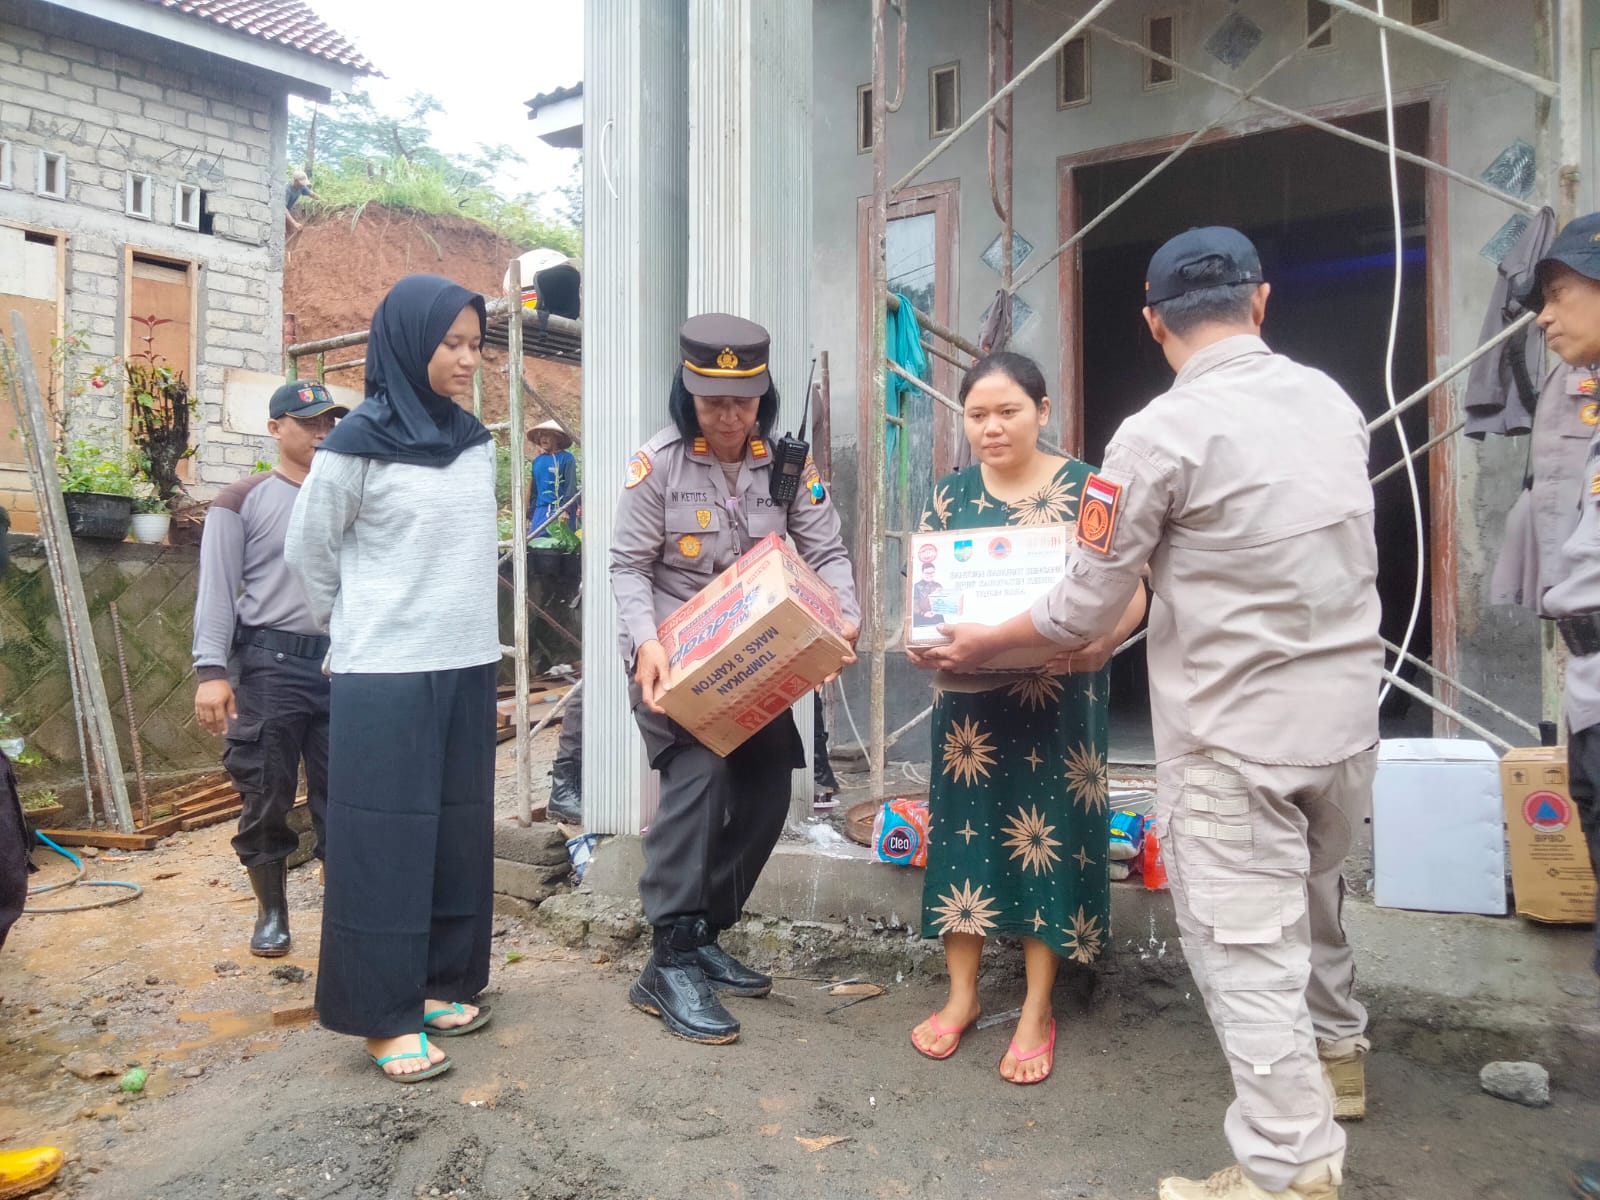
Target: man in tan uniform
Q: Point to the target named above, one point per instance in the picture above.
(1244, 488)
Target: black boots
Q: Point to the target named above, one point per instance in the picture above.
(270, 881)
(727, 974)
(566, 791)
(674, 987)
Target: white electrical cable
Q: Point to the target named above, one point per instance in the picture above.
(1388, 357)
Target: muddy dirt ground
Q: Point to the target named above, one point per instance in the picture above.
(570, 1093)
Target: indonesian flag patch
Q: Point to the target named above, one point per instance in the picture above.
(1097, 513)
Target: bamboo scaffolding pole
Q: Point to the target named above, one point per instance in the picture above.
(73, 602)
(983, 111)
(1176, 153)
(1469, 693)
(1329, 127)
(519, 562)
(1450, 372)
(1538, 83)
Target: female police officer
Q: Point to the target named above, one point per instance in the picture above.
(697, 497)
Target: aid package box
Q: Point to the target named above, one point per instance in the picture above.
(754, 640)
(1550, 873)
(985, 576)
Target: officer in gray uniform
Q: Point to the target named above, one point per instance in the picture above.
(1567, 285)
(698, 496)
(1244, 488)
(1546, 512)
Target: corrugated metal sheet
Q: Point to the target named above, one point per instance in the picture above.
(635, 190)
(750, 196)
(289, 23)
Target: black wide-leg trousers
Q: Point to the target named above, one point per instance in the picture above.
(406, 914)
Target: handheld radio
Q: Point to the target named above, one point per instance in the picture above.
(789, 454)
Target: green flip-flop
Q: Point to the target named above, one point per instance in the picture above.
(477, 1022)
(438, 1068)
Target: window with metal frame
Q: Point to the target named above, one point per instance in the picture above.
(944, 99)
(1072, 73)
(864, 119)
(1160, 37)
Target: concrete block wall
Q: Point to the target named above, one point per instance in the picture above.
(114, 101)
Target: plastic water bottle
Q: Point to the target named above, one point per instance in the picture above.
(1151, 867)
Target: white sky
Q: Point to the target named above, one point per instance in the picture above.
(482, 61)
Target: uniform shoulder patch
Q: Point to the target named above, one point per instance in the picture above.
(1590, 413)
(639, 469)
(1097, 513)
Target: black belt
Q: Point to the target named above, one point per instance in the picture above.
(297, 645)
(1581, 633)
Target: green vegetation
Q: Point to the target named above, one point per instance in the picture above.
(357, 155)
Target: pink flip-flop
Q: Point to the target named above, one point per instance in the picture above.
(940, 1032)
(1023, 1056)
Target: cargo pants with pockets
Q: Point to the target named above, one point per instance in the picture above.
(1254, 853)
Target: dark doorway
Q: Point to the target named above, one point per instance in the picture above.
(1318, 210)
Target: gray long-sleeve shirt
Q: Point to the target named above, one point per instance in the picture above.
(243, 577)
(399, 561)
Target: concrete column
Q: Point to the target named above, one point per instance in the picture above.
(750, 195)
(635, 216)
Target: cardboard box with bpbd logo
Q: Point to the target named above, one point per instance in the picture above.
(755, 639)
(1550, 873)
(985, 576)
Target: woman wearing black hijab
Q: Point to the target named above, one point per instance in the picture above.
(394, 536)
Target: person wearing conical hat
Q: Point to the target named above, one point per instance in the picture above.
(554, 478)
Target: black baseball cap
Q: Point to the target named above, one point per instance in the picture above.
(1165, 281)
(1577, 246)
(304, 399)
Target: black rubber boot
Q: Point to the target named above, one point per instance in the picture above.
(673, 986)
(566, 791)
(269, 882)
(728, 975)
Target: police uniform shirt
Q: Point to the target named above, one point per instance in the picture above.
(1579, 592)
(1245, 489)
(680, 522)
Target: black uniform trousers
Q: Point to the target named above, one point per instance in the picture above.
(1583, 781)
(569, 746)
(718, 818)
(282, 701)
(15, 841)
(407, 910)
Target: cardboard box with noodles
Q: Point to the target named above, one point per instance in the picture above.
(986, 576)
(1550, 873)
(757, 638)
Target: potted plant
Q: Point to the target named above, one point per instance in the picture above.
(151, 516)
(98, 489)
(557, 552)
(41, 807)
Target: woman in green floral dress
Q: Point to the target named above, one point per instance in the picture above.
(1019, 825)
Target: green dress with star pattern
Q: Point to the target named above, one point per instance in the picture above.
(1018, 821)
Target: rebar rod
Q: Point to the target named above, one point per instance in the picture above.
(1329, 127)
(1544, 87)
(1054, 48)
(133, 721)
(519, 562)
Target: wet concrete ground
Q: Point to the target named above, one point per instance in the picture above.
(571, 1093)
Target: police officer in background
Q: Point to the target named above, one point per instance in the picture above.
(1245, 489)
(252, 622)
(1567, 292)
(697, 497)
